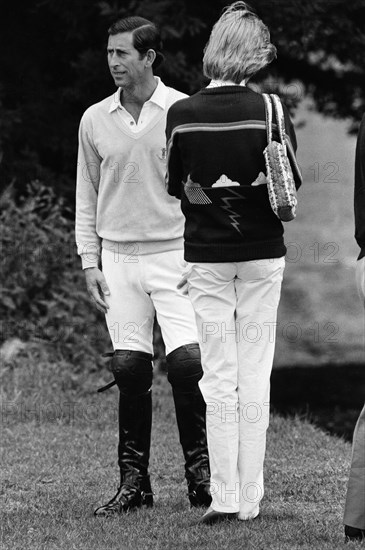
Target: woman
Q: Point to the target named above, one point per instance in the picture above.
(235, 252)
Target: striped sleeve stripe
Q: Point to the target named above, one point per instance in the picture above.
(228, 126)
(213, 127)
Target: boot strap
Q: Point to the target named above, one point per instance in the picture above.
(137, 489)
(197, 484)
(111, 384)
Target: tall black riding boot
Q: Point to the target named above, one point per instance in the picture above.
(184, 372)
(132, 371)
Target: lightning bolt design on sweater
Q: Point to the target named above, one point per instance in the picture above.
(232, 213)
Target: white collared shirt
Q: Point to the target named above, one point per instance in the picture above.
(150, 109)
(218, 83)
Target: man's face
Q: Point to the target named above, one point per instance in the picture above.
(125, 64)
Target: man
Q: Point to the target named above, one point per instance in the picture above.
(129, 234)
(354, 517)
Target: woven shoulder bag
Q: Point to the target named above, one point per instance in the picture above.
(279, 174)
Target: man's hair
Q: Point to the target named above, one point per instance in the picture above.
(239, 45)
(146, 35)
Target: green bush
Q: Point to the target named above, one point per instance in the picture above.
(43, 295)
(51, 336)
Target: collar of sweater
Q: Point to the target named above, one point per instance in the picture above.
(227, 89)
(218, 83)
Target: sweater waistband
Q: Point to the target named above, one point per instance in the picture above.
(236, 252)
(140, 248)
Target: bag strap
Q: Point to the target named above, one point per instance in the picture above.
(268, 113)
(288, 149)
(279, 118)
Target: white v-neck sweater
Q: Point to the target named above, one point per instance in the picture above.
(121, 199)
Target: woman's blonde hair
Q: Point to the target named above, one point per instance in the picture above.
(239, 45)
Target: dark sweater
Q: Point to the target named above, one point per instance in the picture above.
(220, 134)
(359, 201)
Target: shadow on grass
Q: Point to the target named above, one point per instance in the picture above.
(330, 396)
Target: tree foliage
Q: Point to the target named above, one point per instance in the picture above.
(321, 43)
(54, 66)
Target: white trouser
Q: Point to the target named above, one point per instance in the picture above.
(354, 514)
(236, 307)
(140, 286)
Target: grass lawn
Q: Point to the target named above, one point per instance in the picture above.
(59, 463)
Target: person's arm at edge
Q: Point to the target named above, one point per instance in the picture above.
(359, 195)
(87, 240)
(87, 184)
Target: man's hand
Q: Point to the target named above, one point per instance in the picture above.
(183, 283)
(97, 287)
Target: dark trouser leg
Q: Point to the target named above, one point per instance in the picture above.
(354, 516)
(184, 372)
(133, 374)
